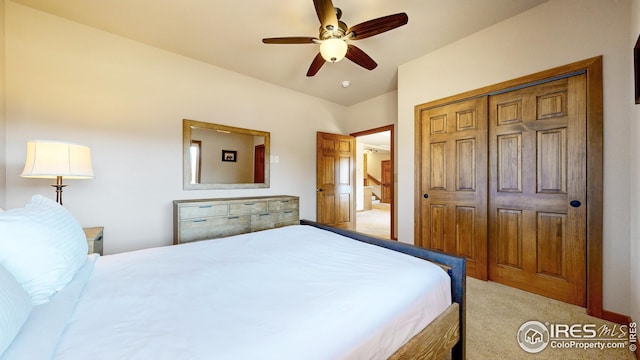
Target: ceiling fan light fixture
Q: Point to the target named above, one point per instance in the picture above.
(333, 35)
(333, 49)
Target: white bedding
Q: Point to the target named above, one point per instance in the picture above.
(288, 293)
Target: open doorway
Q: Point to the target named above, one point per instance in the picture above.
(375, 182)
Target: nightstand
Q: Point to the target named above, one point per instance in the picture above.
(94, 239)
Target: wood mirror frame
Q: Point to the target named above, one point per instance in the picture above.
(240, 157)
(636, 70)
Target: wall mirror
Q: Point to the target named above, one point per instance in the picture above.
(224, 157)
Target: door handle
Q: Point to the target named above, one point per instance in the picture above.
(575, 203)
(426, 196)
(319, 189)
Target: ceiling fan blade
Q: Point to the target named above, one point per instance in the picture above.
(360, 57)
(316, 64)
(289, 40)
(378, 26)
(326, 14)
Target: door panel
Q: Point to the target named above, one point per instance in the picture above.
(509, 162)
(385, 186)
(550, 244)
(537, 167)
(438, 166)
(437, 235)
(335, 178)
(465, 230)
(466, 171)
(509, 238)
(552, 161)
(454, 182)
(326, 209)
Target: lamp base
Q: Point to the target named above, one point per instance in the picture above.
(58, 185)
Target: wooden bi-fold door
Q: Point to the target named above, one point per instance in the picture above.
(503, 182)
(537, 189)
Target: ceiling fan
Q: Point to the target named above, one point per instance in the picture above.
(334, 34)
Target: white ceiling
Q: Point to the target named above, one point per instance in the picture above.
(380, 141)
(228, 34)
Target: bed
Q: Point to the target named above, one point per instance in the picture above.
(303, 291)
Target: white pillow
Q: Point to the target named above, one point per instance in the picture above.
(42, 245)
(15, 306)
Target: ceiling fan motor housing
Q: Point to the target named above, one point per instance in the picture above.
(331, 32)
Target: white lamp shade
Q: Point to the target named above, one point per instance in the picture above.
(50, 159)
(333, 50)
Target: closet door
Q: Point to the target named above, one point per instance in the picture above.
(537, 189)
(453, 183)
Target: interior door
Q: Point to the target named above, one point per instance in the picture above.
(538, 189)
(385, 185)
(335, 180)
(453, 207)
(258, 164)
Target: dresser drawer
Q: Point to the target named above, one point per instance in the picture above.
(248, 208)
(203, 210)
(211, 228)
(274, 220)
(284, 204)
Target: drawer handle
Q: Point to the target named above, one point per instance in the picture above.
(264, 214)
(250, 204)
(233, 217)
(284, 201)
(205, 206)
(199, 220)
(288, 212)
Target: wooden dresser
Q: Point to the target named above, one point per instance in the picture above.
(214, 218)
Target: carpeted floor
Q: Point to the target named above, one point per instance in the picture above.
(375, 222)
(496, 312)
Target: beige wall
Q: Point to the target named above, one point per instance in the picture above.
(555, 33)
(373, 113)
(374, 166)
(126, 100)
(634, 139)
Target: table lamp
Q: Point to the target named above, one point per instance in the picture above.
(55, 160)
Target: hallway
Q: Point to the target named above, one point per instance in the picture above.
(375, 222)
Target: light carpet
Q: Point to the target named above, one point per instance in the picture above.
(375, 222)
(495, 312)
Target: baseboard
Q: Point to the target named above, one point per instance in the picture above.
(637, 352)
(637, 349)
(622, 320)
(615, 317)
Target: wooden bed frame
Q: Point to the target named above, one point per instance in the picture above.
(446, 334)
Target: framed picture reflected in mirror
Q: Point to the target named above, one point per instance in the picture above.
(229, 155)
